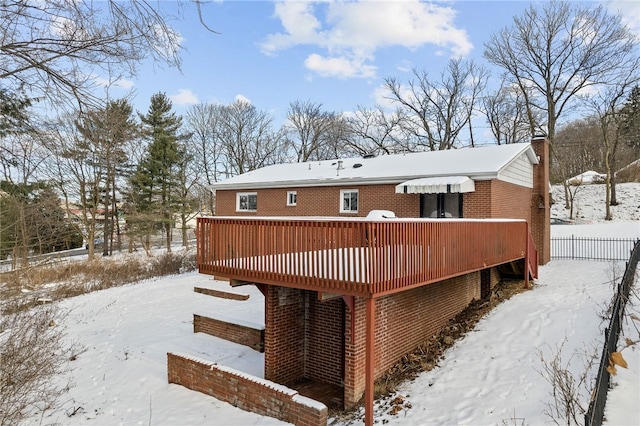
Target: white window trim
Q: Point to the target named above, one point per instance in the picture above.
(240, 194)
(289, 194)
(342, 194)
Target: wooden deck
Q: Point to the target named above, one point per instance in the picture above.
(358, 257)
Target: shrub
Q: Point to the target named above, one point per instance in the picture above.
(33, 354)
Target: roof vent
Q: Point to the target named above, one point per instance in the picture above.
(369, 155)
(355, 166)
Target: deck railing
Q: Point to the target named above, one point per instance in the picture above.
(355, 256)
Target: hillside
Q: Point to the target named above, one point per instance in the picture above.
(589, 206)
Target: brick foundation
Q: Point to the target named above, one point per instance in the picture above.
(241, 334)
(309, 339)
(404, 321)
(245, 391)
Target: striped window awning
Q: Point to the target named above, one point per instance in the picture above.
(436, 185)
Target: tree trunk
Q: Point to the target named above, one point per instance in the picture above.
(567, 195)
(106, 230)
(614, 199)
(607, 201)
(185, 237)
(167, 228)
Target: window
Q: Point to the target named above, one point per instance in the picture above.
(441, 205)
(349, 201)
(246, 202)
(292, 198)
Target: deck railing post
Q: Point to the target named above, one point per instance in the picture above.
(369, 360)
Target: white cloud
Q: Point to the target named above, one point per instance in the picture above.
(351, 32)
(167, 41)
(121, 83)
(340, 67)
(629, 11)
(382, 97)
(242, 98)
(184, 97)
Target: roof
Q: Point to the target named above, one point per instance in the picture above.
(481, 163)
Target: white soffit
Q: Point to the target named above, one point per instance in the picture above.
(436, 185)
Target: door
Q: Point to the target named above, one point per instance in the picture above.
(443, 205)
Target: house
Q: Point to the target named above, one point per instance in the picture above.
(345, 296)
(587, 178)
(629, 173)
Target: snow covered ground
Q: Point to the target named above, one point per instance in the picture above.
(624, 395)
(589, 206)
(492, 376)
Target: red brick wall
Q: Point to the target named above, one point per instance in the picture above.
(491, 199)
(246, 392)
(321, 201)
(404, 321)
(305, 339)
(497, 199)
(243, 335)
(324, 357)
(284, 335)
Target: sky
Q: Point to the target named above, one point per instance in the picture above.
(491, 376)
(336, 53)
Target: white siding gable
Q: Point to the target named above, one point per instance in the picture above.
(519, 172)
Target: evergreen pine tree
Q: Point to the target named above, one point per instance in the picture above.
(630, 125)
(155, 183)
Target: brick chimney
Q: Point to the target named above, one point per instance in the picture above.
(540, 202)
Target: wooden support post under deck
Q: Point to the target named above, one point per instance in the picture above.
(527, 259)
(369, 361)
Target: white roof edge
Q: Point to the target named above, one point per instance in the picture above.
(336, 182)
(530, 153)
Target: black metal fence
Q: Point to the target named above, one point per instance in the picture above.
(582, 248)
(595, 413)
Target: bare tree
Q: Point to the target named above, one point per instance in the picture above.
(21, 161)
(337, 138)
(75, 168)
(576, 150)
(204, 123)
(57, 48)
(310, 130)
(607, 108)
(439, 110)
(555, 53)
(557, 50)
(373, 131)
(249, 141)
(188, 176)
(110, 131)
(507, 115)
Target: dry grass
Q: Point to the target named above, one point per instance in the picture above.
(55, 281)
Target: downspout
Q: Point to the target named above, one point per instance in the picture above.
(369, 360)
